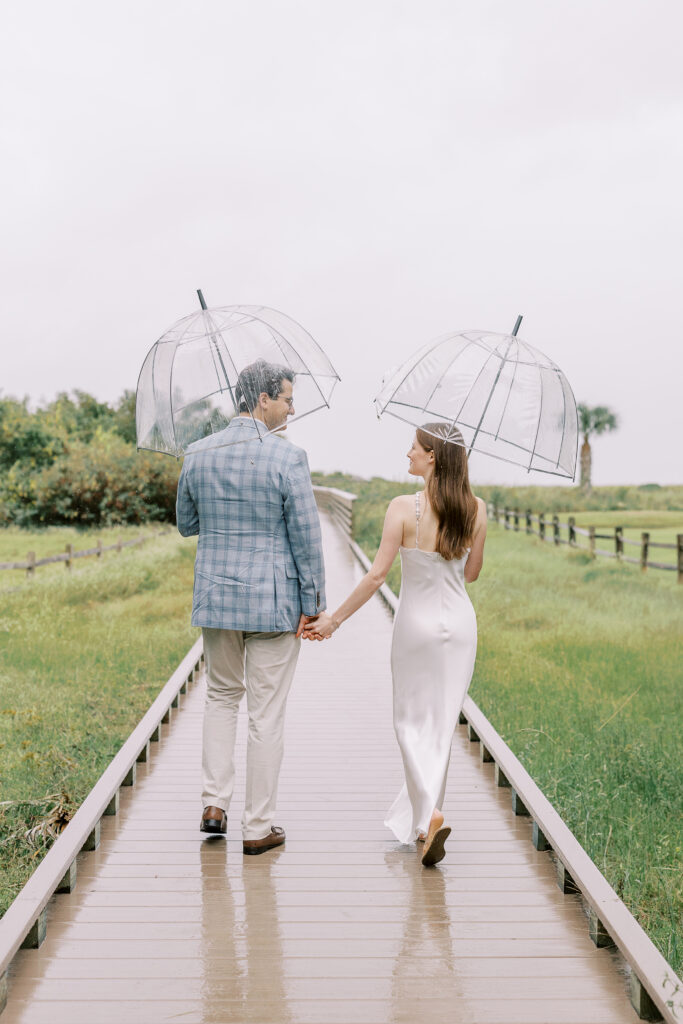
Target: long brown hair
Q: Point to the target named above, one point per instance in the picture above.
(448, 490)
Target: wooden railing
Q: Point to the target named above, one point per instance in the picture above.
(551, 529)
(339, 504)
(655, 990)
(25, 922)
(68, 556)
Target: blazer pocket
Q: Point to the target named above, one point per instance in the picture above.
(292, 572)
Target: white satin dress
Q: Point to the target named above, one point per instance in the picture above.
(433, 649)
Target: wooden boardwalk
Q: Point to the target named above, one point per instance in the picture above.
(342, 924)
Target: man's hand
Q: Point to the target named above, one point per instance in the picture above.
(302, 622)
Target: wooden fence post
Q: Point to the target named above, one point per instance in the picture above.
(506, 517)
(591, 540)
(31, 567)
(516, 520)
(541, 525)
(556, 529)
(99, 547)
(119, 545)
(572, 531)
(644, 550)
(69, 552)
(679, 543)
(495, 512)
(527, 517)
(619, 541)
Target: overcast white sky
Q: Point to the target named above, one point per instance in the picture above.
(383, 171)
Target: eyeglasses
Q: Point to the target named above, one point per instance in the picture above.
(289, 401)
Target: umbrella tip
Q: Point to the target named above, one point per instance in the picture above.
(202, 303)
(517, 325)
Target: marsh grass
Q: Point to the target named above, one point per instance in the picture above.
(579, 670)
(82, 656)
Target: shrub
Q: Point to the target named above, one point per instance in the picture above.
(101, 483)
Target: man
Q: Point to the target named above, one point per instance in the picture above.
(259, 577)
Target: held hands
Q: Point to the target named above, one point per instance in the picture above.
(320, 628)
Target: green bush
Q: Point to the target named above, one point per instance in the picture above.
(74, 462)
(101, 483)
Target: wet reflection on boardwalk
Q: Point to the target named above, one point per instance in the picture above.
(342, 924)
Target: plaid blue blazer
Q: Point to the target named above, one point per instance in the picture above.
(259, 558)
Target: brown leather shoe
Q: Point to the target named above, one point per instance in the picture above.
(214, 820)
(276, 837)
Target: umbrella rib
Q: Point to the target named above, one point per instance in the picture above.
(564, 417)
(472, 388)
(170, 389)
(426, 350)
(488, 400)
(296, 351)
(450, 365)
(538, 424)
(310, 337)
(220, 357)
(512, 381)
(170, 399)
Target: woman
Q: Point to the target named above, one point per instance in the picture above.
(440, 533)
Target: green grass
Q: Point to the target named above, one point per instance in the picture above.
(15, 544)
(82, 656)
(578, 669)
(649, 497)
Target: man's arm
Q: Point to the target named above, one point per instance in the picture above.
(186, 513)
(305, 536)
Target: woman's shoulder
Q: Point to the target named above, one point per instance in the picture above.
(481, 520)
(403, 502)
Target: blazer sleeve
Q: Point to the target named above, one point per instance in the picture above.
(186, 513)
(305, 535)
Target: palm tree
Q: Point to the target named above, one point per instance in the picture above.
(597, 419)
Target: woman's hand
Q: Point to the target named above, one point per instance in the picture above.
(320, 628)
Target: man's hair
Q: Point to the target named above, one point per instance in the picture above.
(257, 378)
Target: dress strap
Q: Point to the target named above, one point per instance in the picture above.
(417, 520)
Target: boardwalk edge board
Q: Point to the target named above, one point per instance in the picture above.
(653, 986)
(23, 926)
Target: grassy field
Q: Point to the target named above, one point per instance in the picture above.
(646, 498)
(82, 656)
(578, 669)
(15, 544)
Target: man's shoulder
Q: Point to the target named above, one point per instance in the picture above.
(283, 450)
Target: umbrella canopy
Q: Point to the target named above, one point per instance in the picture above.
(497, 394)
(190, 385)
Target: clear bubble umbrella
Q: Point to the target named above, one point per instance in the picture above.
(494, 393)
(190, 387)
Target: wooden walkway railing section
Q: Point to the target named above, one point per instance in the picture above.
(32, 563)
(25, 922)
(656, 992)
(550, 528)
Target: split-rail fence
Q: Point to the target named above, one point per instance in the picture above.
(550, 528)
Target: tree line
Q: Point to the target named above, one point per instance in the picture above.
(73, 461)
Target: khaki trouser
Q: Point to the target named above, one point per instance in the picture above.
(262, 665)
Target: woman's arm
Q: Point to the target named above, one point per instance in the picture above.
(392, 538)
(476, 557)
